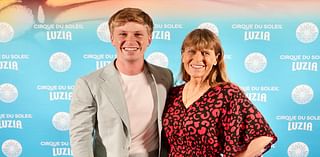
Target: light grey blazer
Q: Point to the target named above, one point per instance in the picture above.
(99, 124)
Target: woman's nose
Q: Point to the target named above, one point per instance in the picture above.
(198, 56)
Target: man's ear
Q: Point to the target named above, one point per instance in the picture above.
(149, 40)
(112, 39)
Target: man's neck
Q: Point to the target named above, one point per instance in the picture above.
(130, 68)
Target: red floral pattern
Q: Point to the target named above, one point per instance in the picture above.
(222, 121)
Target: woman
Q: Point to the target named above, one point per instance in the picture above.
(209, 115)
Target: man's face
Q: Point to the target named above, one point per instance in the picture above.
(131, 41)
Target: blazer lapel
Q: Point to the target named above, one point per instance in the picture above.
(113, 90)
(158, 95)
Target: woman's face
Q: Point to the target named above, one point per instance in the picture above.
(198, 63)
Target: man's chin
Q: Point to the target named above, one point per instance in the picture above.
(132, 58)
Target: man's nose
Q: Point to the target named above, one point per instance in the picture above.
(131, 37)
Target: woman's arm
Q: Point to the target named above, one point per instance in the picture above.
(256, 147)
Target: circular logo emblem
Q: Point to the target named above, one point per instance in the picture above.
(6, 32)
(158, 58)
(255, 62)
(307, 32)
(298, 149)
(60, 62)
(103, 32)
(8, 93)
(210, 26)
(61, 121)
(11, 148)
(302, 94)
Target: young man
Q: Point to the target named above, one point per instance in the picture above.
(116, 111)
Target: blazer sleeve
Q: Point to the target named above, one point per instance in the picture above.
(170, 79)
(82, 119)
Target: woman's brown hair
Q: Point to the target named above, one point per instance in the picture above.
(205, 39)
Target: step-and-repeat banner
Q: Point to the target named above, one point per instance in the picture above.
(272, 50)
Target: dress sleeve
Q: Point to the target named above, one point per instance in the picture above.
(241, 123)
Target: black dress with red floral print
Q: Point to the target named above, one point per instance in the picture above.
(222, 121)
